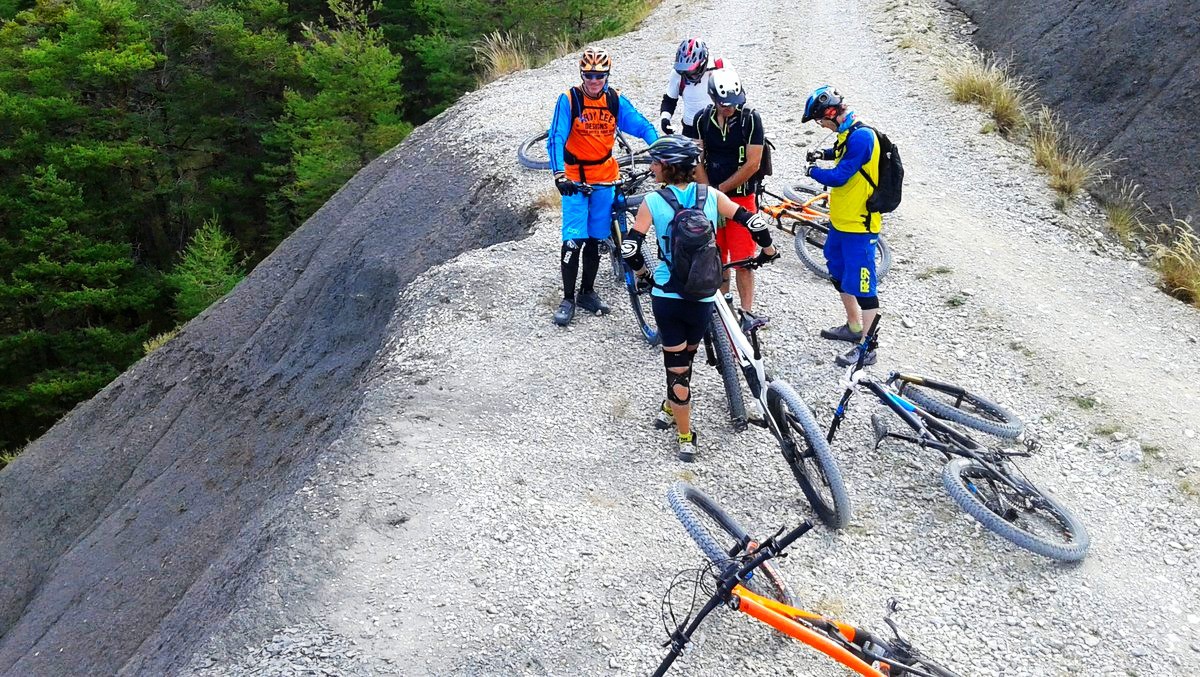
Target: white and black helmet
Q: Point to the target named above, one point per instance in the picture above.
(675, 149)
(725, 88)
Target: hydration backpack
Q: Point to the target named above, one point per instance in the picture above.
(695, 263)
(886, 196)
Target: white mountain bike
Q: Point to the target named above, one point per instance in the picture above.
(781, 411)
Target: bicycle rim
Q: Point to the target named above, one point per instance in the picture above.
(1027, 517)
(532, 153)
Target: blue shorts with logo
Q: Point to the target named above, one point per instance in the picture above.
(585, 216)
(850, 258)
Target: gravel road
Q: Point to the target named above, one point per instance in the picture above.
(500, 506)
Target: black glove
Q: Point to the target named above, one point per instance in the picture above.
(665, 124)
(564, 185)
(808, 170)
(764, 258)
(814, 155)
(644, 282)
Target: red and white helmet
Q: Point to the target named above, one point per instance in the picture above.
(691, 59)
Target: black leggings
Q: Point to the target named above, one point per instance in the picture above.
(680, 321)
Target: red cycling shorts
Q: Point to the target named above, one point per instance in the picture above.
(734, 240)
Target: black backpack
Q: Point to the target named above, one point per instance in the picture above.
(695, 263)
(886, 196)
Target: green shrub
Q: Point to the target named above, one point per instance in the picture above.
(209, 269)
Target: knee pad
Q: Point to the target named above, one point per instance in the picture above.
(570, 251)
(868, 302)
(676, 360)
(591, 249)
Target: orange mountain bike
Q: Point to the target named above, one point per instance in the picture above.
(804, 212)
(740, 576)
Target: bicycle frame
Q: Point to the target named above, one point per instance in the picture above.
(930, 432)
(748, 353)
(795, 211)
(851, 646)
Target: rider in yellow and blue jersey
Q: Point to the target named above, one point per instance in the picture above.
(854, 237)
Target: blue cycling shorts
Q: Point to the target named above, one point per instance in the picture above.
(850, 258)
(585, 216)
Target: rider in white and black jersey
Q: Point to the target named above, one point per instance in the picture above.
(689, 81)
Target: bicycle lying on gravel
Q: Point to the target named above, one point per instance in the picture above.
(532, 153)
(983, 482)
(740, 575)
(804, 213)
(627, 197)
(781, 410)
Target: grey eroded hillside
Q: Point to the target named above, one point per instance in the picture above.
(129, 526)
(1126, 75)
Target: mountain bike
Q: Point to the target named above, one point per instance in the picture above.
(804, 213)
(985, 483)
(740, 575)
(532, 153)
(782, 412)
(627, 197)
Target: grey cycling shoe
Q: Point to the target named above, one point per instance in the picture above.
(851, 357)
(665, 418)
(592, 303)
(842, 333)
(687, 447)
(565, 313)
(750, 321)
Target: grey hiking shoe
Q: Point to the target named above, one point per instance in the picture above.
(687, 447)
(841, 333)
(592, 303)
(851, 357)
(565, 313)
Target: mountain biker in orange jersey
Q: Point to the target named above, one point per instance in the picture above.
(582, 133)
(850, 246)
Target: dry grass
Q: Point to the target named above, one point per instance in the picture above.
(1124, 210)
(548, 199)
(499, 54)
(159, 341)
(986, 81)
(1178, 262)
(1072, 168)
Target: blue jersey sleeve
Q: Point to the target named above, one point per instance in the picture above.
(560, 126)
(859, 146)
(630, 121)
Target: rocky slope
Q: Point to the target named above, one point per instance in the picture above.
(1127, 75)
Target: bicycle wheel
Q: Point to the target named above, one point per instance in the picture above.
(952, 403)
(532, 154)
(1029, 518)
(808, 455)
(639, 300)
(800, 193)
(727, 366)
(721, 538)
(926, 665)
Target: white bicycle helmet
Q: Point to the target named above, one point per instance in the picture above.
(725, 88)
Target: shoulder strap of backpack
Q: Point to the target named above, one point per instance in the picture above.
(669, 195)
(863, 170)
(576, 105)
(701, 196)
(613, 100)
